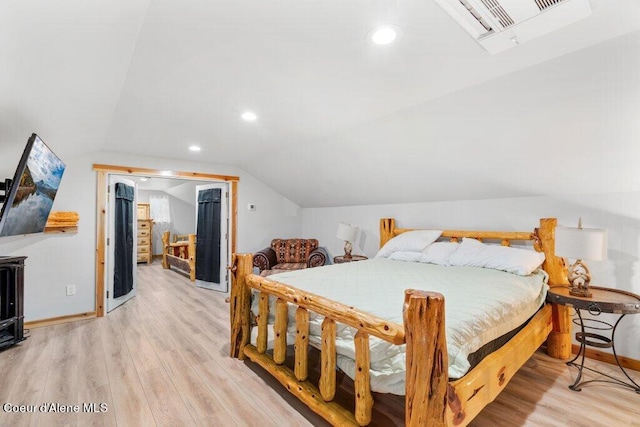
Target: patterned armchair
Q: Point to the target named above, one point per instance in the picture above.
(289, 254)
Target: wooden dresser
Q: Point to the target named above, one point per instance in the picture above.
(145, 228)
(145, 234)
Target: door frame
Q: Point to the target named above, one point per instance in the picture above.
(103, 172)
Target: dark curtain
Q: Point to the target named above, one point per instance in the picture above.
(123, 264)
(208, 235)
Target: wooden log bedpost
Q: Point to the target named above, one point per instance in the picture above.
(165, 248)
(387, 225)
(427, 362)
(559, 340)
(192, 257)
(240, 303)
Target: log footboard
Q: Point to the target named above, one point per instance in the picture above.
(180, 255)
(427, 358)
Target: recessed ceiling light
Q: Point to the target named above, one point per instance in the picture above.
(166, 173)
(195, 148)
(384, 34)
(144, 179)
(249, 116)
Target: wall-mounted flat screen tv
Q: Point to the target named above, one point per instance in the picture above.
(30, 195)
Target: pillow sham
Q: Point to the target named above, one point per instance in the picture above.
(406, 256)
(411, 241)
(439, 252)
(473, 253)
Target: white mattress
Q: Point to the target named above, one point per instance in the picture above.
(480, 305)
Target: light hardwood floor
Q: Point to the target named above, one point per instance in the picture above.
(162, 359)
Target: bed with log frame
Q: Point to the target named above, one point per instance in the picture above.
(180, 254)
(430, 397)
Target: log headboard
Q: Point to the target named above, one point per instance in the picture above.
(543, 239)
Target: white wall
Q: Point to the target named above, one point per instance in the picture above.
(183, 217)
(617, 212)
(56, 260)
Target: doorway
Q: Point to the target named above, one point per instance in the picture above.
(105, 171)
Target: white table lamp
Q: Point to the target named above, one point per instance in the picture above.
(348, 233)
(581, 243)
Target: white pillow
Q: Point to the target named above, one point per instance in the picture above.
(473, 253)
(406, 256)
(439, 252)
(467, 253)
(411, 241)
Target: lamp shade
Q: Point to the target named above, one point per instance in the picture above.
(347, 232)
(581, 243)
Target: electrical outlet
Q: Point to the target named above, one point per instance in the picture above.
(71, 290)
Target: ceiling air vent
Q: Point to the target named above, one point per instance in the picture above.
(498, 25)
(543, 4)
(498, 12)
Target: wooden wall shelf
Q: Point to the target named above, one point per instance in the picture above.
(62, 222)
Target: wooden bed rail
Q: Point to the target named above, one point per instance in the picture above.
(372, 325)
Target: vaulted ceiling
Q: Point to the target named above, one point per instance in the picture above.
(340, 121)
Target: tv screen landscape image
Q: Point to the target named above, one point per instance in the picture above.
(35, 184)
